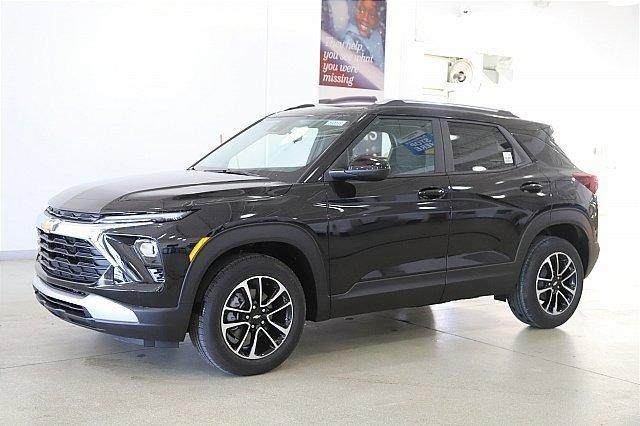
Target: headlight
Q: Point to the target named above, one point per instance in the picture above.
(143, 217)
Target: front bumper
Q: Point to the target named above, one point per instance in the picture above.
(102, 314)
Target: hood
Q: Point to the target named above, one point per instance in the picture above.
(164, 191)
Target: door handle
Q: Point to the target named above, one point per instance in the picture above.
(432, 193)
(533, 187)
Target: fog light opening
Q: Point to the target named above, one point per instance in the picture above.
(148, 250)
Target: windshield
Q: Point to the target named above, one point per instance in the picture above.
(278, 147)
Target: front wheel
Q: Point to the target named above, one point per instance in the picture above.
(251, 316)
(550, 284)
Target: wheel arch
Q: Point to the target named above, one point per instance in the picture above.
(289, 243)
(569, 224)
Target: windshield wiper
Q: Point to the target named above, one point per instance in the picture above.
(231, 172)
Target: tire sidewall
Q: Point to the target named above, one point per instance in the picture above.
(212, 338)
(539, 254)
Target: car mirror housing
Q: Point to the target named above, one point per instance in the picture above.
(363, 167)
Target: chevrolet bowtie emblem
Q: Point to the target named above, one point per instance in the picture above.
(50, 224)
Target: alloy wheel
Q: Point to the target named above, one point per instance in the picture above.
(556, 283)
(257, 317)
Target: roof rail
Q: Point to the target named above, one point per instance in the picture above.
(399, 102)
(300, 106)
(346, 99)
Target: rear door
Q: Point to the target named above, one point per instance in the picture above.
(388, 239)
(495, 191)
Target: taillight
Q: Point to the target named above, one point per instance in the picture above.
(590, 181)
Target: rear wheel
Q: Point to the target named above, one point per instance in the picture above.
(251, 316)
(550, 284)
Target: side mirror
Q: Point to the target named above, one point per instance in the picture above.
(364, 167)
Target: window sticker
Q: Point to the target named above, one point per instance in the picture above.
(336, 123)
(418, 142)
(507, 157)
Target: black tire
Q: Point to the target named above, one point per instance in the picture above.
(206, 329)
(524, 302)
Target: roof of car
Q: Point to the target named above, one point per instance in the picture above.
(359, 104)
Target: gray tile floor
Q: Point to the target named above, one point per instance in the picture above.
(460, 362)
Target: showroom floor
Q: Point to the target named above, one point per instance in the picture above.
(452, 363)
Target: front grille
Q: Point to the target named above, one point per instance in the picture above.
(71, 215)
(71, 259)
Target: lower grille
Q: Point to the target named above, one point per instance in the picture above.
(60, 305)
(71, 259)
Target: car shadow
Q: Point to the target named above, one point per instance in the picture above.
(349, 334)
(415, 330)
(360, 331)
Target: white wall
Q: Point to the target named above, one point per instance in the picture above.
(92, 90)
(574, 63)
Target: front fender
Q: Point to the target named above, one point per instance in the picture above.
(241, 235)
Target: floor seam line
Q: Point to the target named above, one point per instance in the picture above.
(71, 359)
(512, 350)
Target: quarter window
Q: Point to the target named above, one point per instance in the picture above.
(478, 148)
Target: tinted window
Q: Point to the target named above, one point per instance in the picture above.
(545, 152)
(407, 145)
(478, 148)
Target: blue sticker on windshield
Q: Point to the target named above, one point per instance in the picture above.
(420, 144)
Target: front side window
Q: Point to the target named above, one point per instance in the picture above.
(407, 144)
(278, 147)
(478, 148)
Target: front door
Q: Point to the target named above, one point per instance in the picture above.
(388, 239)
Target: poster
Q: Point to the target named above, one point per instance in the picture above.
(352, 44)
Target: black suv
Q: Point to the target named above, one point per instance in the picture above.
(319, 212)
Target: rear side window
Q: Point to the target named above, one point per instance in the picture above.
(547, 152)
(479, 148)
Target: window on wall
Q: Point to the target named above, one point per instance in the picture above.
(407, 144)
(479, 148)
